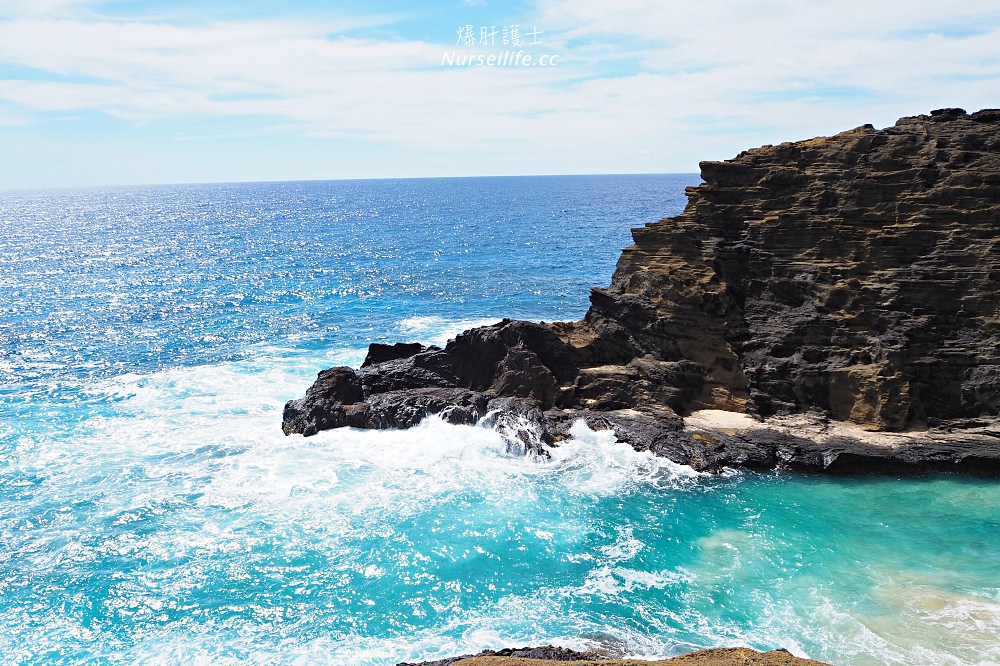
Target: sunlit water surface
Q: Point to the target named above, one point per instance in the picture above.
(151, 510)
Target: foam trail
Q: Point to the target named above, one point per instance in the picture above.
(433, 330)
(201, 444)
(199, 533)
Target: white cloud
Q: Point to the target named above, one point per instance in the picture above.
(792, 69)
(391, 90)
(641, 86)
(759, 23)
(781, 47)
(47, 8)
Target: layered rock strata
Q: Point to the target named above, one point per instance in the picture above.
(852, 279)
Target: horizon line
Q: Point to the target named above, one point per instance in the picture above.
(37, 188)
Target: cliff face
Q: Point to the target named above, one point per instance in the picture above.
(858, 274)
(853, 278)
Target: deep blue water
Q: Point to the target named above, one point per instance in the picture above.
(152, 511)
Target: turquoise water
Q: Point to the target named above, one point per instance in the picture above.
(151, 510)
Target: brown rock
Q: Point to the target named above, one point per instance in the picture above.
(854, 277)
(715, 657)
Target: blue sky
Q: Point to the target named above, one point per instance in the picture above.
(121, 92)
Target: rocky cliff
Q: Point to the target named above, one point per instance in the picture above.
(836, 290)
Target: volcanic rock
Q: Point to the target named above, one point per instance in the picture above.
(851, 280)
(550, 655)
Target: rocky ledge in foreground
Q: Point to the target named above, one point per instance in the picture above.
(541, 656)
(842, 294)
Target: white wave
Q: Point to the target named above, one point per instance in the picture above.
(214, 432)
(625, 547)
(203, 445)
(597, 463)
(433, 330)
(613, 581)
(522, 436)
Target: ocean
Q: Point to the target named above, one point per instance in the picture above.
(152, 511)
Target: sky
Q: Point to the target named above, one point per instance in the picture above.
(105, 92)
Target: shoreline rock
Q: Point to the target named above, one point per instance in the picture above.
(541, 656)
(842, 292)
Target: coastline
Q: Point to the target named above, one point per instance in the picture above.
(765, 298)
(712, 657)
(180, 468)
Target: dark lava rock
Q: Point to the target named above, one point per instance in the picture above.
(380, 353)
(547, 652)
(855, 276)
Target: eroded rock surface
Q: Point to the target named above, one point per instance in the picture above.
(853, 278)
(547, 653)
(550, 655)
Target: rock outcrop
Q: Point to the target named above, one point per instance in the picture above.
(543, 656)
(851, 279)
(547, 653)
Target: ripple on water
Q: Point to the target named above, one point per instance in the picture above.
(153, 511)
